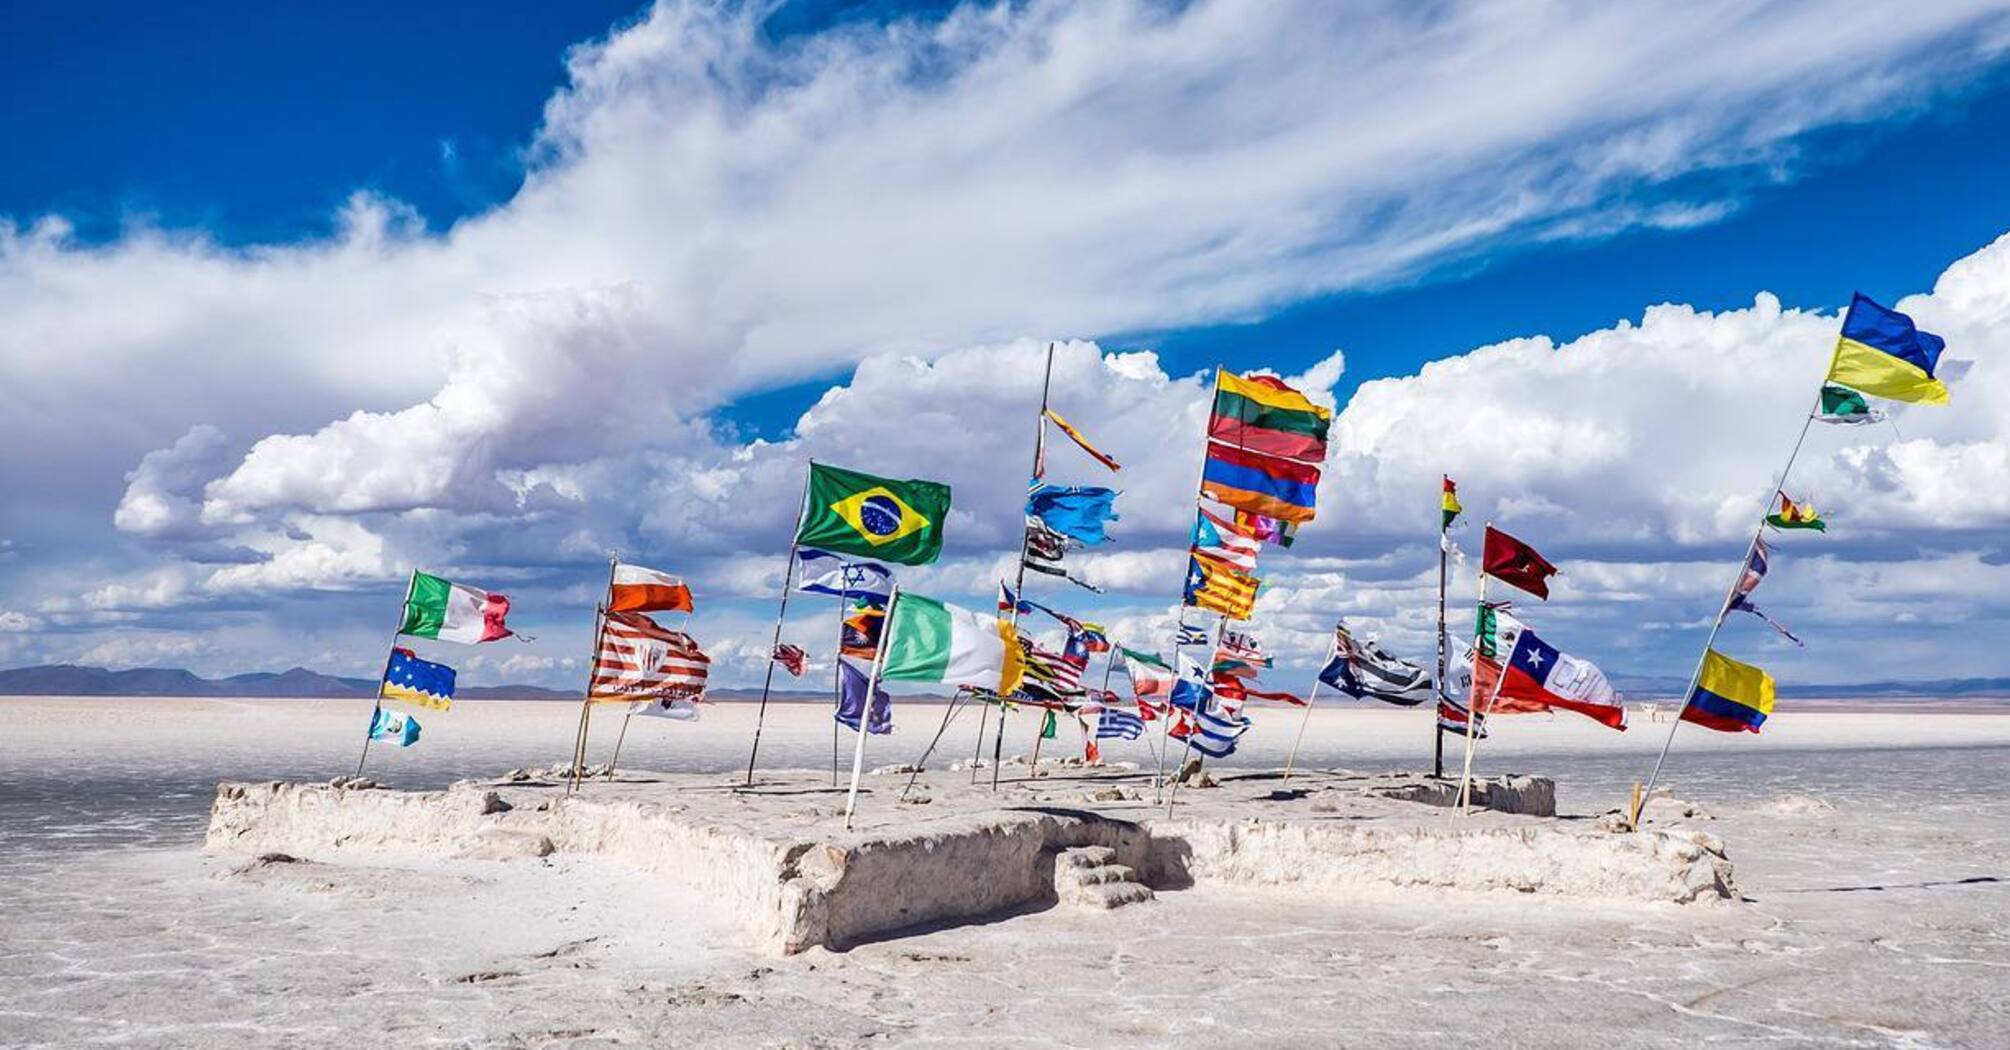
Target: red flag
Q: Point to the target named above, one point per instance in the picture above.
(792, 658)
(1511, 561)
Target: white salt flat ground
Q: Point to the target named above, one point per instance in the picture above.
(1882, 921)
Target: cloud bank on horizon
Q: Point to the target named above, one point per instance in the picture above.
(712, 214)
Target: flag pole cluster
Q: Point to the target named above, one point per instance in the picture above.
(436, 609)
(1879, 352)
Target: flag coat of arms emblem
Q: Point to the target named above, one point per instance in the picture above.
(396, 726)
(874, 517)
(639, 658)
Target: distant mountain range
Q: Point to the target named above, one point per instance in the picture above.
(297, 683)
(301, 683)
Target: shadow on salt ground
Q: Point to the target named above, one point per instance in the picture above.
(1972, 880)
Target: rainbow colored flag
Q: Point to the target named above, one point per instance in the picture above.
(1730, 697)
(1260, 413)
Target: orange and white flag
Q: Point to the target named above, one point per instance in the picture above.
(637, 589)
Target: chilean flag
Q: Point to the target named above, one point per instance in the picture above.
(1540, 673)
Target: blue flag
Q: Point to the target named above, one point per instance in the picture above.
(395, 726)
(1078, 512)
(851, 698)
(417, 681)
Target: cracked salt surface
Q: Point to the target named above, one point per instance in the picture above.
(1880, 919)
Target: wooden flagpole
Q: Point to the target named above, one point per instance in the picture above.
(977, 754)
(781, 613)
(411, 583)
(1019, 592)
(1310, 699)
(1104, 700)
(1444, 668)
(592, 658)
(1033, 771)
(1472, 706)
(1723, 609)
(865, 710)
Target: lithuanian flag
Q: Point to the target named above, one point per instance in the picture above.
(1882, 352)
(1262, 414)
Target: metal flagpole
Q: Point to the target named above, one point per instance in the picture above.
(955, 700)
(1695, 676)
(592, 658)
(1310, 699)
(410, 584)
(837, 681)
(1438, 724)
(781, 613)
(977, 754)
(1179, 622)
(1018, 592)
(865, 710)
(1179, 772)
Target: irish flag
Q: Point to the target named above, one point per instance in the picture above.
(933, 641)
(453, 612)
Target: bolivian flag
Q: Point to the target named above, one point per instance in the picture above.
(1882, 352)
(1730, 697)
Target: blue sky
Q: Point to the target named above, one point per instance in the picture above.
(188, 151)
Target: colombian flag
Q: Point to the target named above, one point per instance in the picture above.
(1881, 352)
(1730, 697)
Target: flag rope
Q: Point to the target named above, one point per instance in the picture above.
(1779, 484)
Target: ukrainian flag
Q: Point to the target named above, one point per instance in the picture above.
(1882, 352)
(1730, 697)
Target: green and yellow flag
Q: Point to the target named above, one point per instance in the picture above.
(873, 517)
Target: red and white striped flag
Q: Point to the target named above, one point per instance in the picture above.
(640, 658)
(792, 658)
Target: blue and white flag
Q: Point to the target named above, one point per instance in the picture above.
(1079, 512)
(396, 726)
(851, 699)
(1210, 734)
(1117, 723)
(1191, 690)
(1191, 636)
(825, 573)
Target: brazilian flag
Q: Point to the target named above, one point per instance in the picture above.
(873, 517)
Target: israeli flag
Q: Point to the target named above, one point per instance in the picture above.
(825, 573)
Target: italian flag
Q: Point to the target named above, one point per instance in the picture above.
(453, 612)
(933, 641)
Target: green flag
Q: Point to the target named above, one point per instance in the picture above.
(1842, 405)
(873, 517)
(1047, 727)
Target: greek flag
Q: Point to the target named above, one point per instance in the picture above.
(1191, 635)
(1118, 723)
(1212, 735)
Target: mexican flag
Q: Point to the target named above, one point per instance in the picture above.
(873, 517)
(453, 612)
(932, 641)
